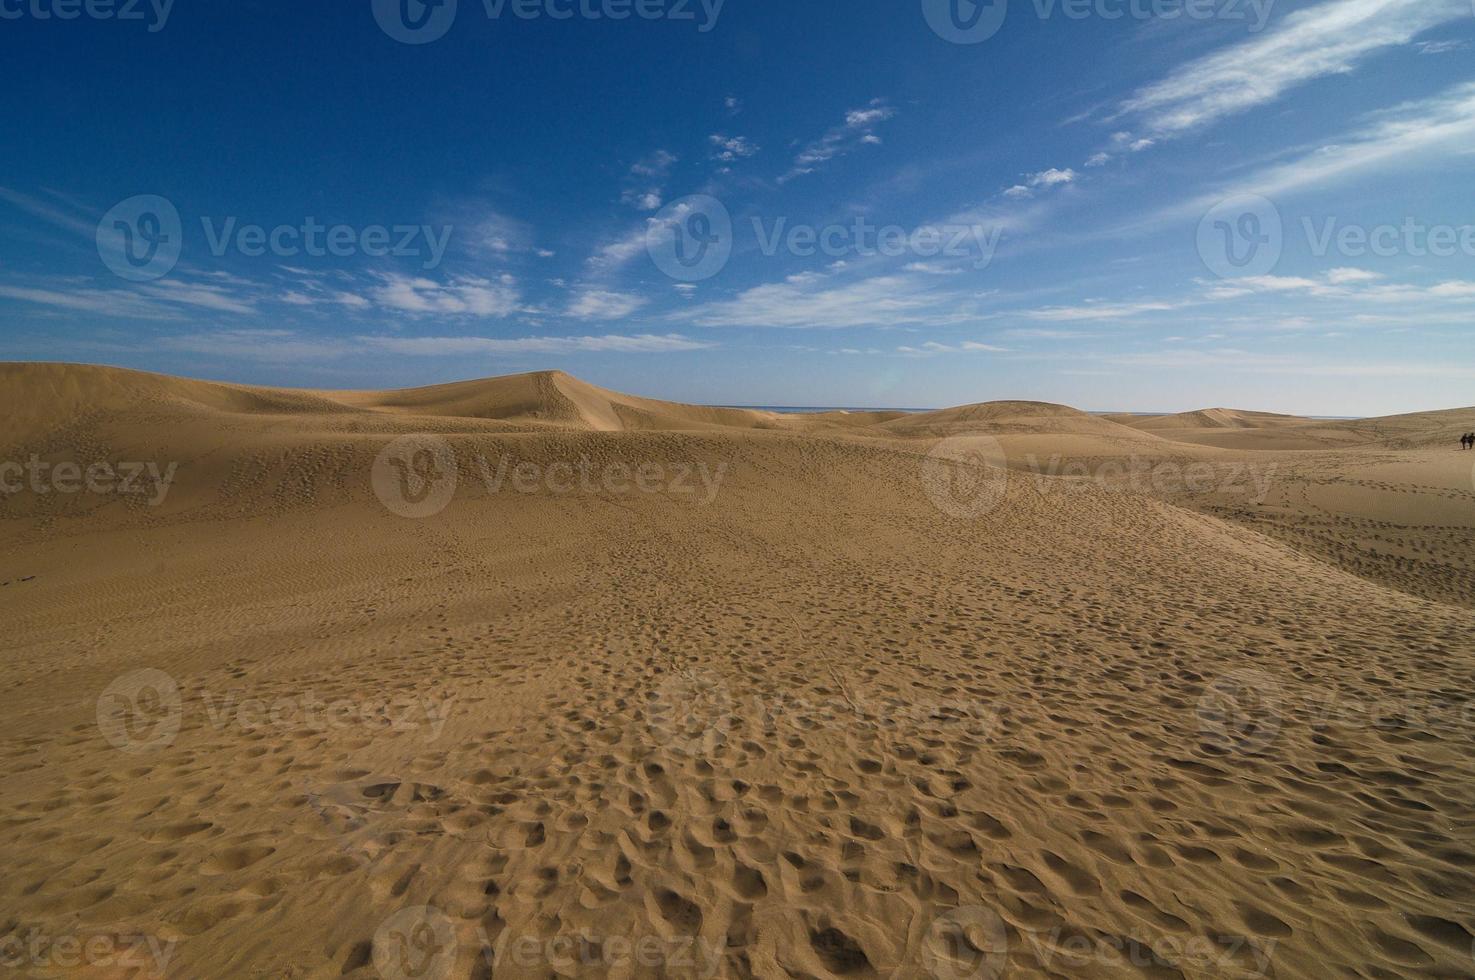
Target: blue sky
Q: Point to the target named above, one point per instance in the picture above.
(1255, 203)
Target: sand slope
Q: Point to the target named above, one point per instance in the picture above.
(836, 719)
(1210, 418)
(1243, 430)
(553, 397)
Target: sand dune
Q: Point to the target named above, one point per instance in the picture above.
(1210, 418)
(1022, 433)
(809, 698)
(1237, 429)
(552, 397)
(40, 398)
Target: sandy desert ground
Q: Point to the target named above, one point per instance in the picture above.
(526, 678)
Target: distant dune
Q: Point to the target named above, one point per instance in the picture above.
(39, 395)
(526, 664)
(552, 397)
(1210, 418)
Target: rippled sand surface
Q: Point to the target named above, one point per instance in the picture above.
(524, 678)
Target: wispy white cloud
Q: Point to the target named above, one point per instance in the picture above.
(270, 346)
(204, 296)
(730, 148)
(1229, 358)
(497, 233)
(814, 301)
(1330, 38)
(1045, 178)
(601, 304)
(658, 164)
(859, 129)
(1341, 276)
(646, 200)
(281, 346)
(1442, 47)
(933, 269)
(461, 296)
(617, 253)
(932, 348)
(328, 298)
(1102, 310)
(1121, 142)
(104, 302)
(1357, 286)
(645, 184)
(165, 299)
(66, 217)
(619, 343)
(1441, 126)
(1047, 333)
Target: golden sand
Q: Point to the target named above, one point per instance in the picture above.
(527, 678)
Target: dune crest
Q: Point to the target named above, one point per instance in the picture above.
(1212, 418)
(552, 397)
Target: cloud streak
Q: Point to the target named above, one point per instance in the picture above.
(618, 343)
(1425, 129)
(859, 129)
(1331, 38)
(464, 296)
(816, 302)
